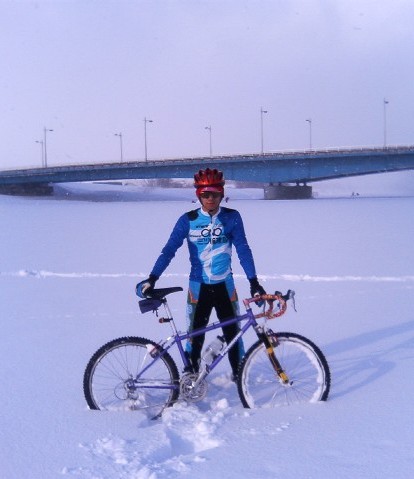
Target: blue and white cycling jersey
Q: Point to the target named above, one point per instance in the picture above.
(210, 240)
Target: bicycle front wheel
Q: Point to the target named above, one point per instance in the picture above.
(307, 370)
(123, 375)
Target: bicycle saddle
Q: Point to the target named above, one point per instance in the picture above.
(160, 293)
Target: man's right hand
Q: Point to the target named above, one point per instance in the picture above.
(145, 287)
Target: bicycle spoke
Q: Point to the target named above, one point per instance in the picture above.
(305, 366)
(116, 378)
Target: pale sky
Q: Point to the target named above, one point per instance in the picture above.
(90, 69)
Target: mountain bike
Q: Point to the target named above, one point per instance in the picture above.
(134, 373)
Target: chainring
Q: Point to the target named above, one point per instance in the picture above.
(187, 390)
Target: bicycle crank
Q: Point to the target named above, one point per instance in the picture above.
(189, 390)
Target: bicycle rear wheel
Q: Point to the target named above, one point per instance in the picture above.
(303, 362)
(115, 378)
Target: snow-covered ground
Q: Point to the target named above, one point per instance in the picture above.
(67, 275)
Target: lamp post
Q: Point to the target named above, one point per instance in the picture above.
(42, 150)
(385, 122)
(261, 126)
(45, 130)
(209, 130)
(120, 144)
(309, 120)
(145, 136)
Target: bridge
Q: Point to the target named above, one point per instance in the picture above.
(283, 174)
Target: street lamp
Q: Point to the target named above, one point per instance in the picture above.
(120, 143)
(42, 150)
(209, 129)
(45, 130)
(261, 126)
(309, 120)
(385, 122)
(145, 136)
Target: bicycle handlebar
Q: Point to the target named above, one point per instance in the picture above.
(156, 297)
(270, 300)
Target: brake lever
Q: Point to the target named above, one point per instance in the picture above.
(289, 295)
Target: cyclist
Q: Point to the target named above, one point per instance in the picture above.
(210, 232)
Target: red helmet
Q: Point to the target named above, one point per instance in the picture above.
(209, 180)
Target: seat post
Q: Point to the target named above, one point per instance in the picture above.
(170, 317)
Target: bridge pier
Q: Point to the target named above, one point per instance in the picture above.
(287, 192)
(27, 189)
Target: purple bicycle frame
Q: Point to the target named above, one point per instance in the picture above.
(178, 338)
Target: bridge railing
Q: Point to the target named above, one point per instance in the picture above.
(353, 150)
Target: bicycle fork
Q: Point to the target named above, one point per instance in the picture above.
(270, 351)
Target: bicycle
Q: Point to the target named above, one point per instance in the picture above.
(134, 373)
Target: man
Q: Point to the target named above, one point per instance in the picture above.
(210, 232)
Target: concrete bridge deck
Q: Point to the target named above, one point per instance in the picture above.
(276, 170)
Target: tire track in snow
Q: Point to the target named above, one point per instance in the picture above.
(176, 444)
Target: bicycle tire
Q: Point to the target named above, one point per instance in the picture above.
(108, 381)
(304, 363)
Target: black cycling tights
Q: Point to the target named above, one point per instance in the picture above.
(215, 296)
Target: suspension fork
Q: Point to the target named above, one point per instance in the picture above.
(270, 351)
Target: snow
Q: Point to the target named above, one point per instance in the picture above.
(68, 269)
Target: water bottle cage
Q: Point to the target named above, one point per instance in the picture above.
(213, 350)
